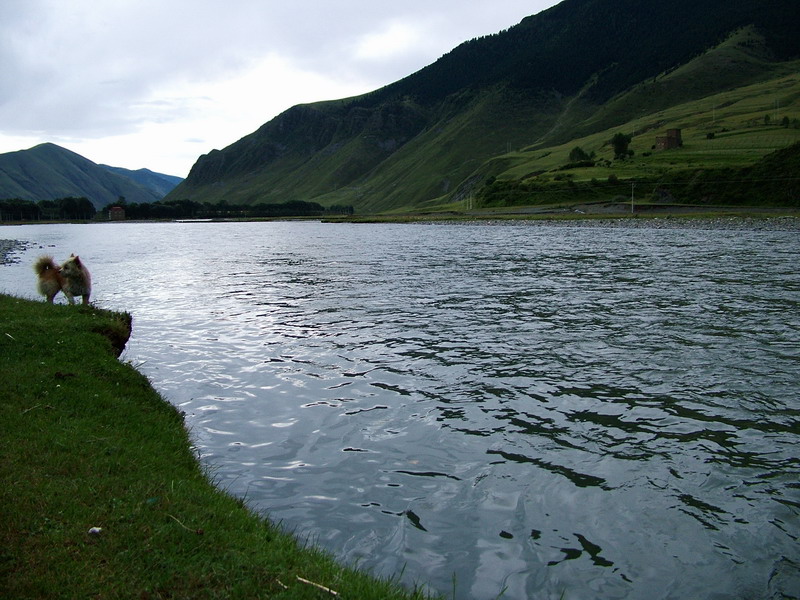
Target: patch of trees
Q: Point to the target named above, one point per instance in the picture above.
(579, 159)
(578, 154)
(562, 189)
(60, 209)
(189, 209)
(81, 209)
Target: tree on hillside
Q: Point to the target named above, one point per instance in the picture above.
(577, 154)
(620, 143)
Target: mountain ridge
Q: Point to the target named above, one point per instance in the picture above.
(160, 183)
(48, 171)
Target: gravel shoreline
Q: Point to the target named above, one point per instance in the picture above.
(8, 249)
(720, 223)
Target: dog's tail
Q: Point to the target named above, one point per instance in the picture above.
(44, 264)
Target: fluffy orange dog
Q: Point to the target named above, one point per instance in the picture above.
(72, 278)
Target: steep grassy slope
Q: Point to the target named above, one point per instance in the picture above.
(743, 58)
(578, 69)
(440, 158)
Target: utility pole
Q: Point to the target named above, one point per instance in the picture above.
(633, 185)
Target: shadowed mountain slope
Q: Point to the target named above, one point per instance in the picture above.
(157, 182)
(48, 171)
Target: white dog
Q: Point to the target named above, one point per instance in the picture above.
(72, 278)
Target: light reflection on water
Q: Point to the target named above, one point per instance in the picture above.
(607, 413)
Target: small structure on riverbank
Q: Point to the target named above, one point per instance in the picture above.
(671, 140)
(116, 213)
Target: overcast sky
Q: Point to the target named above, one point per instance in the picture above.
(157, 83)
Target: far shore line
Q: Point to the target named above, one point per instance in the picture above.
(692, 217)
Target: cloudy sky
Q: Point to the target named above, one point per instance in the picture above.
(157, 83)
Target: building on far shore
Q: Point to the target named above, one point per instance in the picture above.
(669, 141)
(116, 213)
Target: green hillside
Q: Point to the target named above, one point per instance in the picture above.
(513, 105)
(725, 136)
(48, 172)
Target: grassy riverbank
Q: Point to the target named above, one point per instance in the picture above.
(85, 442)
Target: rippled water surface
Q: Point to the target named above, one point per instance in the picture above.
(551, 411)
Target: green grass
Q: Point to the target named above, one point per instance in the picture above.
(742, 137)
(86, 442)
(736, 118)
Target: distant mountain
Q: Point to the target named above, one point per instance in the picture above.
(157, 182)
(48, 171)
(577, 69)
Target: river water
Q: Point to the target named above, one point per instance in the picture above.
(547, 412)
